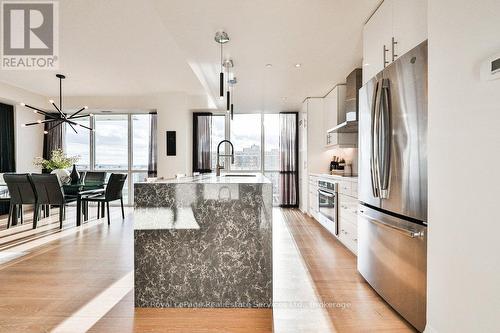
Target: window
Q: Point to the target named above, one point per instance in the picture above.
(140, 141)
(111, 142)
(246, 138)
(78, 144)
(120, 143)
(272, 141)
(256, 144)
(272, 151)
(218, 134)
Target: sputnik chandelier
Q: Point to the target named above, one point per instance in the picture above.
(59, 118)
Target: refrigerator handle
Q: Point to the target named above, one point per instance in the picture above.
(385, 129)
(374, 125)
(407, 232)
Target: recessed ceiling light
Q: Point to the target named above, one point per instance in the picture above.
(269, 65)
(298, 65)
(284, 98)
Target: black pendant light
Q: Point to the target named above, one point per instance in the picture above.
(222, 38)
(228, 65)
(232, 82)
(56, 119)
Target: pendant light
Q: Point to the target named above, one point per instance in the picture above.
(60, 117)
(232, 82)
(228, 65)
(222, 38)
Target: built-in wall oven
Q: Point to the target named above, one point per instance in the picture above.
(328, 204)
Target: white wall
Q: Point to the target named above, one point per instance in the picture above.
(174, 114)
(28, 140)
(464, 160)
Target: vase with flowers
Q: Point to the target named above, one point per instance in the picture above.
(58, 164)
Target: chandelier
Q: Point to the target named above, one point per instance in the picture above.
(58, 118)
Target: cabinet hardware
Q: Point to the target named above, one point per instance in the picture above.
(394, 55)
(385, 56)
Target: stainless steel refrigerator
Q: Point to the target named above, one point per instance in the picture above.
(392, 224)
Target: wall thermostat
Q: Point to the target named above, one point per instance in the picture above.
(490, 68)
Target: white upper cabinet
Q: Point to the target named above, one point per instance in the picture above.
(377, 34)
(333, 115)
(333, 104)
(409, 24)
(396, 27)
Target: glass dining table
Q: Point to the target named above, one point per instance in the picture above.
(75, 192)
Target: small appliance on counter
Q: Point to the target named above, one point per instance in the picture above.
(339, 167)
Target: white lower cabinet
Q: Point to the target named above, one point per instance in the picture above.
(348, 215)
(348, 221)
(347, 210)
(313, 197)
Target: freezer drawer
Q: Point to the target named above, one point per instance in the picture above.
(392, 257)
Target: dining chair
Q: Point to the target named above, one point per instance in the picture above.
(113, 192)
(21, 192)
(94, 180)
(49, 191)
(97, 178)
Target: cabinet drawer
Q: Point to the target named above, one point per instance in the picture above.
(354, 189)
(348, 207)
(345, 187)
(348, 234)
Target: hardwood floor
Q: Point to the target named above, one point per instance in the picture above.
(81, 279)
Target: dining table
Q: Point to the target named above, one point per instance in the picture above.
(75, 192)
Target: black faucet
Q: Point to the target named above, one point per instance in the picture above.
(218, 167)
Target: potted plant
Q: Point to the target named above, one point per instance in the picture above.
(58, 164)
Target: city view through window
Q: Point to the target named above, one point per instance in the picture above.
(125, 140)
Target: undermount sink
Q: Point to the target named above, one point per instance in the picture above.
(236, 175)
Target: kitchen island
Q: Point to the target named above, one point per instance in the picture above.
(203, 241)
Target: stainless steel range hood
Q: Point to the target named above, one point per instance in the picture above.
(348, 121)
(348, 126)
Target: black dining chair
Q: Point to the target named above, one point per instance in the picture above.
(49, 192)
(94, 180)
(113, 192)
(22, 192)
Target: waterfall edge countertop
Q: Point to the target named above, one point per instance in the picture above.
(203, 241)
(161, 204)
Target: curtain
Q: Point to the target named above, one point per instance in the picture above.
(202, 150)
(153, 146)
(288, 143)
(53, 139)
(7, 147)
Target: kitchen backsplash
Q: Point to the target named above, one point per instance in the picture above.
(350, 155)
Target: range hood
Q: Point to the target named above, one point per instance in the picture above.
(348, 121)
(350, 125)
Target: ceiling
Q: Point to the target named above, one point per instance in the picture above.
(118, 47)
(108, 48)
